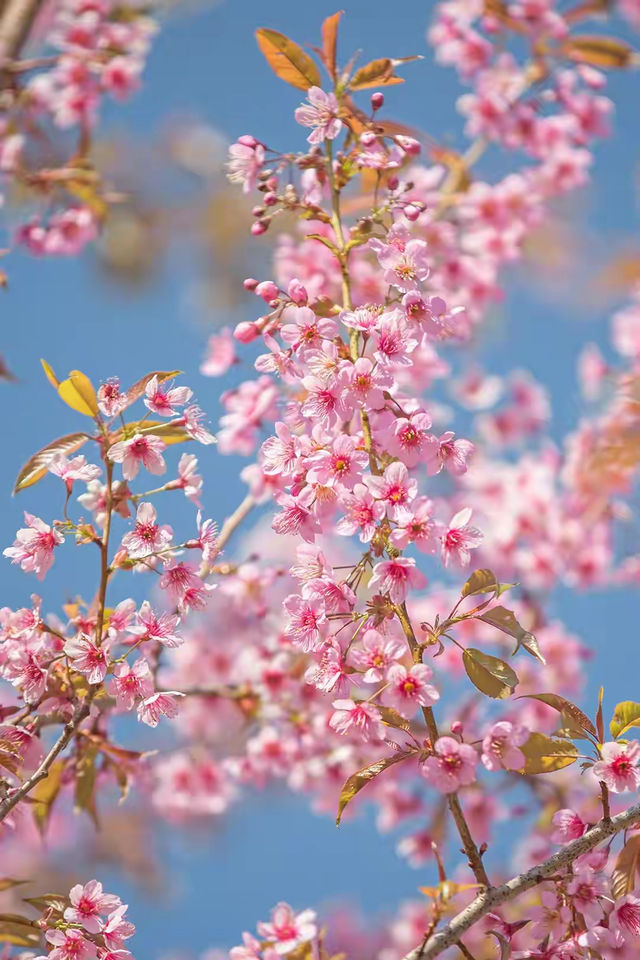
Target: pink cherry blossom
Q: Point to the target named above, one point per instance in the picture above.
(140, 449)
(460, 539)
(147, 536)
(321, 113)
(131, 682)
(362, 718)
(395, 577)
(409, 689)
(618, 768)
(287, 930)
(88, 903)
(165, 400)
(501, 746)
(34, 545)
(451, 766)
(153, 708)
(88, 658)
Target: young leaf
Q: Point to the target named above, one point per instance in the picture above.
(623, 878)
(376, 73)
(78, 393)
(491, 676)
(625, 716)
(169, 432)
(330, 42)
(44, 794)
(85, 782)
(505, 620)
(599, 719)
(394, 719)
(604, 52)
(18, 930)
(564, 707)
(287, 60)
(50, 375)
(480, 581)
(358, 780)
(6, 883)
(36, 466)
(544, 754)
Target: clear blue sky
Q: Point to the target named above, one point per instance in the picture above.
(207, 64)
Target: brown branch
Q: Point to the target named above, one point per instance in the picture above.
(234, 520)
(493, 897)
(16, 19)
(82, 711)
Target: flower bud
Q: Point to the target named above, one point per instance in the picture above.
(250, 284)
(409, 144)
(392, 183)
(457, 728)
(259, 227)
(248, 141)
(377, 99)
(412, 212)
(298, 292)
(246, 331)
(270, 199)
(267, 290)
(368, 138)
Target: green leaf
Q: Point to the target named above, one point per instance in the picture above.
(490, 675)
(625, 716)
(287, 60)
(505, 620)
(358, 780)
(564, 706)
(480, 581)
(623, 878)
(86, 781)
(544, 754)
(36, 466)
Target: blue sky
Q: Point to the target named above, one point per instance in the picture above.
(205, 63)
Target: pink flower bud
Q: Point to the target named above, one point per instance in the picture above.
(259, 227)
(298, 292)
(270, 199)
(250, 284)
(257, 211)
(248, 141)
(272, 183)
(408, 144)
(246, 331)
(457, 728)
(368, 138)
(267, 290)
(377, 99)
(392, 183)
(411, 212)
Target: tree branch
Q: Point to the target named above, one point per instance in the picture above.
(234, 520)
(490, 899)
(7, 805)
(16, 19)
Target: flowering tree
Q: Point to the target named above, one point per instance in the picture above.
(325, 657)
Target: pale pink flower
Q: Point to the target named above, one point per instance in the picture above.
(246, 157)
(409, 689)
(24, 670)
(362, 513)
(342, 465)
(452, 765)
(618, 768)
(585, 888)
(140, 449)
(192, 420)
(131, 682)
(164, 400)
(88, 902)
(287, 930)
(165, 704)
(179, 579)
(75, 469)
(460, 539)
(116, 930)
(569, 826)
(87, 658)
(70, 944)
(34, 545)
(321, 113)
(306, 624)
(375, 653)
(551, 917)
(160, 627)
(362, 718)
(395, 577)
(147, 536)
(394, 488)
(220, 355)
(416, 525)
(501, 746)
(110, 401)
(625, 917)
(448, 453)
(188, 480)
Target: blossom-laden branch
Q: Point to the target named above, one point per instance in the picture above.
(494, 897)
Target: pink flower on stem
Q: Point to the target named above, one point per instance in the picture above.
(147, 536)
(140, 449)
(416, 525)
(585, 889)
(75, 469)
(131, 682)
(192, 418)
(88, 902)
(117, 929)
(394, 488)
(341, 466)
(625, 917)
(34, 545)
(375, 653)
(164, 400)
(618, 768)
(165, 704)
(110, 401)
(450, 454)
(246, 157)
(362, 718)
(460, 539)
(321, 113)
(160, 627)
(501, 746)
(24, 670)
(70, 944)
(87, 658)
(287, 930)
(307, 623)
(394, 577)
(220, 355)
(362, 513)
(569, 826)
(452, 765)
(295, 518)
(409, 689)
(188, 480)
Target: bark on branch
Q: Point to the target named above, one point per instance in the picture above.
(495, 896)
